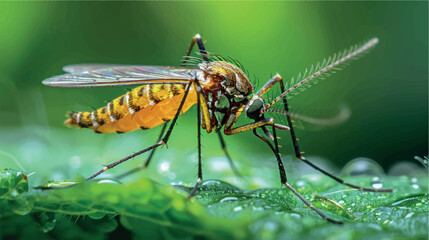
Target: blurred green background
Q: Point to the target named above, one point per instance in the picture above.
(386, 91)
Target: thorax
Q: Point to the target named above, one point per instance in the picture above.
(225, 88)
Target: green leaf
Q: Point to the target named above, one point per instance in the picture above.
(12, 183)
(218, 211)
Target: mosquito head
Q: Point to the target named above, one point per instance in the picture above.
(255, 108)
(232, 78)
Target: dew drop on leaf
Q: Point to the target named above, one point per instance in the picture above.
(405, 168)
(300, 183)
(97, 215)
(107, 181)
(375, 183)
(228, 199)
(239, 208)
(20, 207)
(362, 166)
(414, 184)
(46, 221)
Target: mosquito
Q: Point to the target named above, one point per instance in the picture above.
(219, 87)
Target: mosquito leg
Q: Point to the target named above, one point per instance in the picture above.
(161, 141)
(146, 164)
(250, 126)
(268, 85)
(311, 206)
(200, 170)
(283, 177)
(196, 39)
(231, 163)
(299, 155)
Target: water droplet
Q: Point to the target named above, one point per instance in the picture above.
(218, 185)
(97, 215)
(48, 225)
(404, 168)
(259, 208)
(107, 181)
(375, 183)
(341, 202)
(239, 208)
(300, 183)
(46, 221)
(414, 183)
(20, 207)
(362, 166)
(409, 215)
(163, 167)
(178, 183)
(228, 199)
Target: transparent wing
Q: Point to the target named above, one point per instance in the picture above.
(105, 75)
(75, 68)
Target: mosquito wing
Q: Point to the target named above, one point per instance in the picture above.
(105, 75)
(75, 68)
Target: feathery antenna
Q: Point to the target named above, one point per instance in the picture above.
(322, 70)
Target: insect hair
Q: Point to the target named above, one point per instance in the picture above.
(211, 57)
(324, 69)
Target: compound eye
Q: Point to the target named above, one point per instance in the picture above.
(254, 110)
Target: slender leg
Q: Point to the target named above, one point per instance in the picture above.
(250, 126)
(283, 177)
(196, 39)
(200, 170)
(299, 155)
(231, 163)
(161, 141)
(146, 164)
(268, 85)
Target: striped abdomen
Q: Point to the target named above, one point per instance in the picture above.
(144, 107)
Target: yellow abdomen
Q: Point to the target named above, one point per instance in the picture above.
(144, 107)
